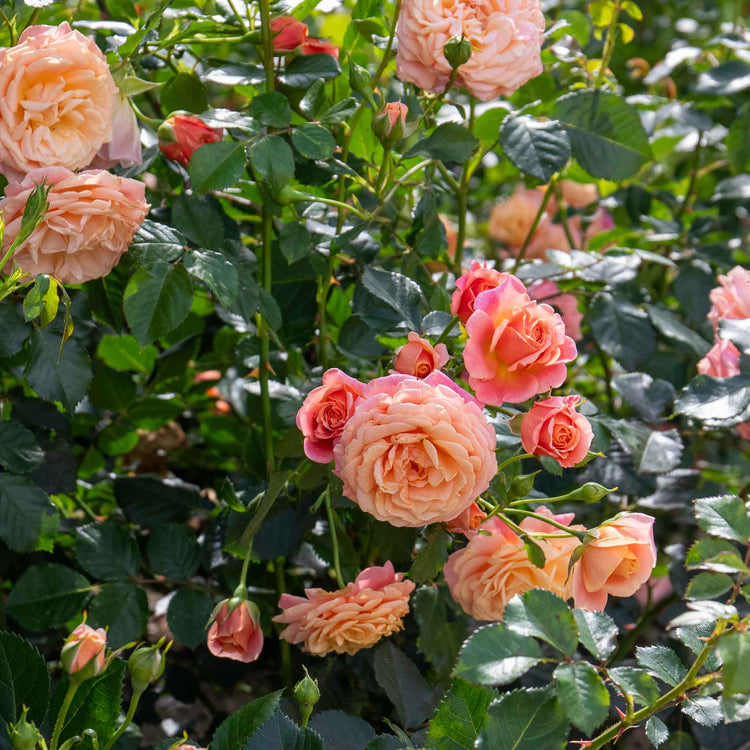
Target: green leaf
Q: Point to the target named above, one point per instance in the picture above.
(313, 141)
(122, 608)
(583, 695)
(709, 585)
(118, 439)
(538, 148)
(449, 142)
(716, 555)
(622, 330)
(597, 632)
(705, 711)
(149, 502)
(46, 596)
(155, 242)
(295, 242)
(606, 133)
(236, 730)
(15, 330)
(541, 614)
(35, 301)
(524, 720)
(738, 332)
(738, 144)
(714, 398)
(303, 71)
(125, 353)
(656, 731)
(187, 616)
(735, 654)
(429, 561)
(273, 161)
(107, 550)
(184, 91)
(271, 109)
(23, 506)
(403, 684)
(338, 727)
(647, 396)
(217, 272)
(24, 679)
(112, 390)
(157, 299)
(281, 733)
(495, 655)
(635, 682)
(197, 217)
(217, 166)
(724, 80)
(63, 378)
(173, 552)
(19, 451)
(670, 326)
(662, 662)
(725, 516)
(439, 639)
(399, 292)
(460, 717)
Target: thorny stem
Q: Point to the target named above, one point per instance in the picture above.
(535, 223)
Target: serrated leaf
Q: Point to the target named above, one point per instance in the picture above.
(342, 731)
(597, 632)
(670, 326)
(709, 585)
(724, 516)
(313, 141)
(656, 731)
(217, 166)
(399, 292)
(459, 717)
(622, 330)
(662, 662)
(187, 616)
(735, 655)
(647, 396)
(714, 398)
(149, 501)
(24, 679)
(19, 451)
(705, 711)
(271, 109)
(439, 640)
(107, 550)
(155, 242)
(281, 733)
(305, 70)
(635, 682)
(236, 730)
(272, 159)
(122, 608)
(216, 271)
(583, 695)
(173, 552)
(23, 506)
(543, 615)
(449, 142)
(125, 353)
(295, 242)
(538, 148)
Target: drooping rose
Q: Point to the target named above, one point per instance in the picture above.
(467, 522)
(325, 412)
(415, 451)
(419, 357)
(553, 427)
(721, 361)
(486, 574)
(350, 619)
(517, 348)
(57, 99)
(476, 280)
(506, 39)
(617, 563)
(84, 650)
(565, 304)
(90, 223)
(236, 634)
(289, 33)
(125, 147)
(181, 135)
(731, 300)
(319, 47)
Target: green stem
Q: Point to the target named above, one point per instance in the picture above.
(60, 722)
(128, 719)
(551, 521)
(446, 331)
(609, 45)
(384, 169)
(7, 22)
(334, 540)
(264, 333)
(285, 646)
(512, 460)
(547, 195)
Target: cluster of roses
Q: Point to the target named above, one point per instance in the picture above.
(729, 301)
(62, 112)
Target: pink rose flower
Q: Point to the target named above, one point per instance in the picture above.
(290, 33)
(237, 634)
(125, 147)
(319, 47)
(731, 300)
(324, 413)
(350, 619)
(554, 428)
(506, 40)
(419, 357)
(517, 348)
(90, 223)
(486, 574)
(617, 563)
(565, 304)
(467, 522)
(415, 451)
(511, 221)
(476, 280)
(57, 99)
(84, 648)
(721, 361)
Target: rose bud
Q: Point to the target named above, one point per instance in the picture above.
(388, 126)
(235, 631)
(24, 735)
(180, 136)
(82, 655)
(419, 357)
(146, 665)
(289, 33)
(457, 51)
(307, 694)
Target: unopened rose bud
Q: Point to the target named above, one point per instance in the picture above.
(146, 665)
(289, 33)
(181, 135)
(24, 735)
(591, 492)
(457, 51)
(521, 485)
(307, 694)
(82, 655)
(361, 82)
(388, 126)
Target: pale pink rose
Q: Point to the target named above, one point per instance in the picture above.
(721, 361)
(486, 574)
(617, 563)
(467, 522)
(125, 147)
(57, 98)
(350, 619)
(476, 280)
(419, 357)
(600, 222)
(577, 194)
(90, 223)
(237, 634)
(516, 348)
(553, 427)
(84, 647)
(415, 451)
(731, 300)
(324, 413)
(506, 39)
(565, 304)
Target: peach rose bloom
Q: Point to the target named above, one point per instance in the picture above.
(577, 194)
(415, 451)
(721, 361)
(290, 33)
(324, 413)
(419, 357)
(90, 223)
(468, 522)
(553, 427)
(731, 300)
(57, 99)
(486, 574)
(350, 619)
(517, 348)
(476, 280)
(83, 646)
(506, 38)
(565, 304)
(616, 563)
(237, 634)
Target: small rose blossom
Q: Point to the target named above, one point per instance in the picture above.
(57, 99)
(125, 147)
(565, 304)
(84, 648)
(468, 522)
(91, 220)
(290, 33)
(731, 300)
(553, 427)
(617, 563)
(350, 619)
(517, 348)
(415, 451)
(325, 412)
(505, 37)
(237, 634)
(486, 574)
(319, 47)
(476, 280)
(721, 361)
(395, 111)
(180, 136)
(419, 357)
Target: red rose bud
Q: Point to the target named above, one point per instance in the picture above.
(389, 125)
(319, 47)
(181, 135)
(83, 653)
(289, 33)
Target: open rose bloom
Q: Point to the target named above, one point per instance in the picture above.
(730, 300)
(419, 357)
